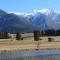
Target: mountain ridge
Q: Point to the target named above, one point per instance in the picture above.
(38, 19)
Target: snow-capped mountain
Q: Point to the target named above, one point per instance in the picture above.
(12, 22)
(46, 19)
(23, 22)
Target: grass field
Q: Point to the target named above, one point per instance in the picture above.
(29, 43)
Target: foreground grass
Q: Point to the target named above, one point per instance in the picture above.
(29, 43)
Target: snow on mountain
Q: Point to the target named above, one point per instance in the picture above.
(12, 22)
(38, 19)
(17, 13)
(45, 19)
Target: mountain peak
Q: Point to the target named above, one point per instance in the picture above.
(46, 11)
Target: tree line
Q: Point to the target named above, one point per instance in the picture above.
(4, 35)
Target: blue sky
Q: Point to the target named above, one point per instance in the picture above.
(28, 5)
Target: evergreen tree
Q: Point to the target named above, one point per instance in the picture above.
(6, 35)
(18, 36)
